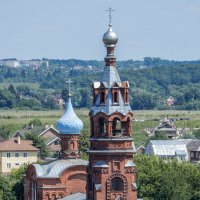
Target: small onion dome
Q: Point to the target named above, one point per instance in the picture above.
(110, 38)
(69, 123)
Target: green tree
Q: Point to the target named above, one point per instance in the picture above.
(17, 179)
(11, 89)
(6, 192)
(159, 136)
(196, 133)
(39, 143)
(167, 180)
(4, 131)
(35, 122)
(64, 94)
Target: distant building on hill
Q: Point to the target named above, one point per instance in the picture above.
(10, 63)
(170, 101)
(16, 152)
(24, 63)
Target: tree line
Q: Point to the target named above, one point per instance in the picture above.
(151, 81)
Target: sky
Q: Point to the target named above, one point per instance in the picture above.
(64, 29)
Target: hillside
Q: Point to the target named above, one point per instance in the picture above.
(152, 81)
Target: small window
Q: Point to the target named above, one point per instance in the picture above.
(17, 155)
(25, 155)
(102, 127)
(126, 97)
(17, 164)
(8, 165)
(56, 142)
(8, 155)
(115, 97)
(116, 166)
(102, 97)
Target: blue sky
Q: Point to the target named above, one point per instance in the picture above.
(65, 29)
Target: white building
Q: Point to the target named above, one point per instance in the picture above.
(10, 63)
(168, 149)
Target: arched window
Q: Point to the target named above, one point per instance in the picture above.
(115, 97)
(125, 97)
(116, 126)
(102, 127)
(102, 97)
(117, 184)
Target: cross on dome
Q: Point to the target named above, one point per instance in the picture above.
(69, 86)
(110, 10)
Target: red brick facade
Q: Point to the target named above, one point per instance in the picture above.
(111, 171)
(104, 147)
(69, 146)
(72, 180)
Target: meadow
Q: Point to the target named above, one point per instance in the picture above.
(17, 119)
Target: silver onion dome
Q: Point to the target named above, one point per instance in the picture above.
(110, 38)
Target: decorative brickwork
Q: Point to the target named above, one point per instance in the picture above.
(69, 146)
(111, 171)
(72, 180)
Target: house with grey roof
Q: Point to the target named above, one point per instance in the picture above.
(167, 128)
(167, 149)
(182, 149)
(193, 148)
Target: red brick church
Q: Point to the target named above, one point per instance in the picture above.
(110, 172)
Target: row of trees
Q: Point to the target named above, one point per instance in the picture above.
(151, 84)
(167, 180)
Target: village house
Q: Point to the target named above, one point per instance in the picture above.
(167, 128)
(167, 149)
(170, 101)
(193, 148)
(48, 133)
(182, 149)
(16, 152)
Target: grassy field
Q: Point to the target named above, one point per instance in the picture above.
(16, 119)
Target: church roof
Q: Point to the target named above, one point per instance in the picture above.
(76, 196)
(110, 79)
(110, 75)
(109, 108)
(55, 168)
(69, 123)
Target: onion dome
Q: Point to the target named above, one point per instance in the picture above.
(69, 123)
(110, 38)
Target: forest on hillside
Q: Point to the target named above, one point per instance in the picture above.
(151, 81)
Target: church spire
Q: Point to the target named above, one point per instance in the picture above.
(110, 40)
(110, 94)
(111, 171)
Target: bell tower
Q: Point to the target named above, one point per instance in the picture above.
(111, 170)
